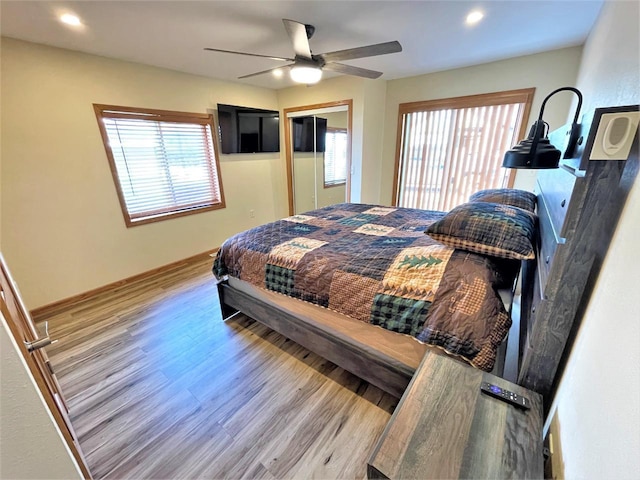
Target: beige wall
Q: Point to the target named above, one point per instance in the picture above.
(372, 148)
(544, 71)
(597, 401)
(31, 445)
(63, 231)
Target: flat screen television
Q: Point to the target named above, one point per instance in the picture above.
(303, 134)
(248, 130)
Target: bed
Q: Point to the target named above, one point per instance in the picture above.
(578, 207)
(365, 287)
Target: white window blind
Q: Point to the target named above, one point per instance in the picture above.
(164, 164)
(335, 157)
(448, 153)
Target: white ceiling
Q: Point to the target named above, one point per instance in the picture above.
(172, 34)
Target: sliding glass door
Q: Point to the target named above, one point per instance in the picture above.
(452, 148)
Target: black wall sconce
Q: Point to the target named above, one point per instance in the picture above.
(536, 151)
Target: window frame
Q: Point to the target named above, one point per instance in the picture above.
(524, 95)
(324, 171)
(114, 111)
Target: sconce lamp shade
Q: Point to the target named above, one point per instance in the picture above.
(533, 152)
(536, 151)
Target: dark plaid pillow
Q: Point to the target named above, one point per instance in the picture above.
(507, 196)
(489, 229)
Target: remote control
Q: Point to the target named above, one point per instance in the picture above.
(505, 395)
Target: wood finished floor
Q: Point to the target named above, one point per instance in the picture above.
(159, 387)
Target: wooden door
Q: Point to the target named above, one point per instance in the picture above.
(24, 330)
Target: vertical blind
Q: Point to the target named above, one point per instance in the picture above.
(163, 166)
(447, 154)
(335, 157)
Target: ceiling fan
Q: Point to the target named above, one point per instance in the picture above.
(307, 67)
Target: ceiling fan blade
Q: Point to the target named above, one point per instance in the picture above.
(282, 59)
(362, 52)
(266, 71)
(298, 34)
(351, 70)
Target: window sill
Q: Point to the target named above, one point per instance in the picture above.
(134, 222)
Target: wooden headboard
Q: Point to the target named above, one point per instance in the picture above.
(578, 209)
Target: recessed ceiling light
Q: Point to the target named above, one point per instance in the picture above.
(474, 17)
(278, 73)
(70, 19)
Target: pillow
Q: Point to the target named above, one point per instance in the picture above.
(489, 229)
(507, 196)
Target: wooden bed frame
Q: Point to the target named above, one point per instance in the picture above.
(384, 358)
(578, 208)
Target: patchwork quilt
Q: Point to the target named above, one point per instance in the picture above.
(376, 264)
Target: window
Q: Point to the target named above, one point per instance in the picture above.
(335, 157)
(164, 164)
(451, 148)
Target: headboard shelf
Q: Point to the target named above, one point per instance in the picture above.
(573, 169)
(549, 225)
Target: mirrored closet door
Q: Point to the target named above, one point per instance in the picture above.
(319, 154)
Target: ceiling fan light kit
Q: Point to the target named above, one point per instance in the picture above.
(307, 67)
(304, 74)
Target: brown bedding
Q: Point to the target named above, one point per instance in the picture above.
(376, 265)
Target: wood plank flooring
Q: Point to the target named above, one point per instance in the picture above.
(159, 387)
